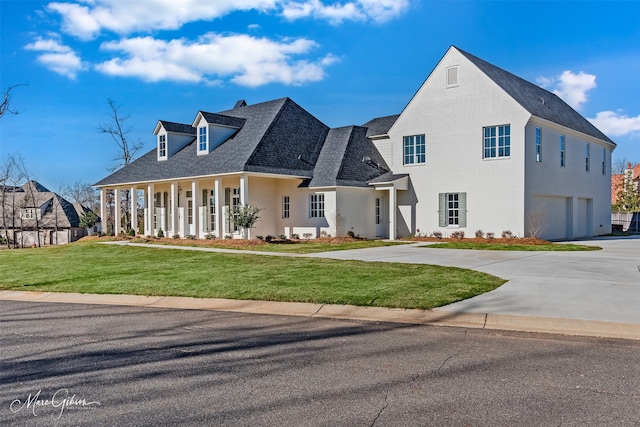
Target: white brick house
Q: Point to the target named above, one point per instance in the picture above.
(476, 148)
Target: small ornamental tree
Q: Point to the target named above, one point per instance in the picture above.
(244, 217)
(88, 219)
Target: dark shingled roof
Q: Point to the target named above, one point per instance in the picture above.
(380, 125)
(341, 162)
(536, 100)
(178, 127)
(220, 119)
(274, 134)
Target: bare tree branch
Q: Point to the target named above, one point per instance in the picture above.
(119, 131)
(5, 105)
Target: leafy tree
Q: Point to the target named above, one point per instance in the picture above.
(244, 217)
(628, 196)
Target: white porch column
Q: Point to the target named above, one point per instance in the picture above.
(117, 214)
(195, 209)
(148, 229)
(392, 213)
(134, 208)
(103, 209)
(244, 198)
(173, 210)
(217, 186)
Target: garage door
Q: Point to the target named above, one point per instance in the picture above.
(554, 216)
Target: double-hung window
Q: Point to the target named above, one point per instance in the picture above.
(604, 159)
(316, 205)
(453, 209)
(202, 138)
(162, 146)
(414, 149)
(538, 145)
(497, 141)
(563, 153)
(285, 207)
(587, 157)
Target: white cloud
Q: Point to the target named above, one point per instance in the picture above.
(336, 13)
(124, 17)
(85, 19)
(57, 57)
(571, 87)
(245, 60)
(616, 124)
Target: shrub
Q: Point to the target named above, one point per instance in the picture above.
(210, 236)
(190, 237)
(269, 238)
(282, 237)
(490, 236)
(131, 232)
(307, 235)
(507, 234)
(479, 234)
(351, 234)
(228, 236)
(457, 235)
(437, 234)
(260, 237)
(176, 236)
(160, 233)
(295, 236)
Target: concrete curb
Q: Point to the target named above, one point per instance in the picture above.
(573, 327)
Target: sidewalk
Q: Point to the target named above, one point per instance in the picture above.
(595, 293)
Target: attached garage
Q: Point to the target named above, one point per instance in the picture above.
(553, 215)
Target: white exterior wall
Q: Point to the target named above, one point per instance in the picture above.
(574, 202)
(356, 209)
(452, 120)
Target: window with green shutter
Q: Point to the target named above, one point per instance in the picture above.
(452, 209)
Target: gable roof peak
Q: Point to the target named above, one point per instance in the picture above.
(536, 100)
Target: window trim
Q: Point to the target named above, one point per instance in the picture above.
(443, 210)
(497, 143)
(604, 161)
(563, 152)
(418, 149)
(203, 139)
(316, 205)
(162, 146)
(538, 145)
(286, 207)
(587, 157)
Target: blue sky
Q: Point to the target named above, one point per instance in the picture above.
(345, 62)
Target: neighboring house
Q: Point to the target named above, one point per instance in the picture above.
(617, 181)
(476, 148)
(32, 210)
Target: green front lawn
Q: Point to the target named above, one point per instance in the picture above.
(113, 269)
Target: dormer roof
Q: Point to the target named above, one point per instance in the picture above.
(173, 127)
(219, 120)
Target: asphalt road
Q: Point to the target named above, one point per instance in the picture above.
(72, 364)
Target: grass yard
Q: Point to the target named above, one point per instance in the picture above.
(89, 267)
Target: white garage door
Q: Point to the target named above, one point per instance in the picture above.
(554, 216)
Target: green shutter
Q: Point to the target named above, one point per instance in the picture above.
(462, 205)
(442, 209)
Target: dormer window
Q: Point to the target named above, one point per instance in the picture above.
(162, 146)
(202, 139)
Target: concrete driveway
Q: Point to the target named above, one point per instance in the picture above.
(596, 285)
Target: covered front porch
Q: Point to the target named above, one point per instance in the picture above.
(196, 207)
